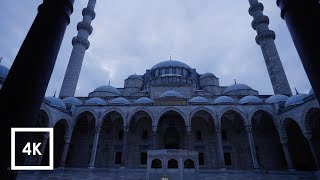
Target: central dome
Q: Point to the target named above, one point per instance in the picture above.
(171, 63)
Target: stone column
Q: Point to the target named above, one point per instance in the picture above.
(219, 147)
(284, 143)
(65, 152)
(313, 151)
(124, 147)
(30, 74)
(94, 148)
(154, 137)
(189, 139)
(43, 147)
(252, 148)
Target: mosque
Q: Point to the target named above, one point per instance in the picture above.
(172, 106)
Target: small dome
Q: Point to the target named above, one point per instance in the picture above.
(120, 100)
(207, 75)
(95, 101)
(198, 99)
(295, 100)
(171, 63)
(56, 102)
(224, 100)
(72, 101)
(134, 76)
(108, 88)
(277, 98)
(4, 71)
(250, 99)
(236, 87)
(311, 92)
(144, 100)
(171, 93)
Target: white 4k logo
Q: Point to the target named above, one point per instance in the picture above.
(35, 146)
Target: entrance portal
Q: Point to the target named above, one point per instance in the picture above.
(171, 138)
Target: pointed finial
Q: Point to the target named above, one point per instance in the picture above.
(109, 83)
(170, 56)
(0, 59)
(54, 95)
(296, 90)
(235, 81)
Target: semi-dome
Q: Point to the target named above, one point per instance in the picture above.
(72, 101)
(135, 76)
(95, 101)
(224, 100)
(198, 99)
(120, 100)
(108, 88)
(171, 63)
(236, 87)
(295, 100)
(171, 93)
(311, 92)
(250, 99)
(4, 71)
(277, 98)
(144, 100)
(56, 102)
(207, 75)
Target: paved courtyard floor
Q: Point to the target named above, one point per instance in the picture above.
(140, 174)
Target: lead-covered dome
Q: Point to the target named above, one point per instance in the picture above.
(171, 63)
(4, 71)
(144, 100)
(171, 93)
(72, 101)
(120, 101)
(198, 100)
(250, 100)
(277, 98)
(207, 75)
(295, 100)
(108, 88)
(224, 100)
(56, 102)
(236, 87)
(135, 76)
(95, 101)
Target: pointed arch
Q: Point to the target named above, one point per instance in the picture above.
(143, 109)
(182, 114)
(205, 109)
(234, 109)
(113, 109)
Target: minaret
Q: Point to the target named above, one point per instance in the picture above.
(80, 45)
(265, 38)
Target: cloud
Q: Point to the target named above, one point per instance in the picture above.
(131, 36)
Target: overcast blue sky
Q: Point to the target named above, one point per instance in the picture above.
(131, 36)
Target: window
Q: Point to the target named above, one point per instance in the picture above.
(174, 71)
(120, 135)
(144, 134)
(198, 135)
(143, 158)
(227, 159)
(172, 163)
(167, 71)
(224, 135)
(117, 159)
(188, 164)
(156, 163)
(201, 158)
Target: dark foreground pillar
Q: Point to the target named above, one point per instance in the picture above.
(302, 18)
(24, 89)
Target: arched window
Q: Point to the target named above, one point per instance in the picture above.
(156, 163)
(120, 135)
(144, 134)
(188, 164)
(172, 163)
(199, 135)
